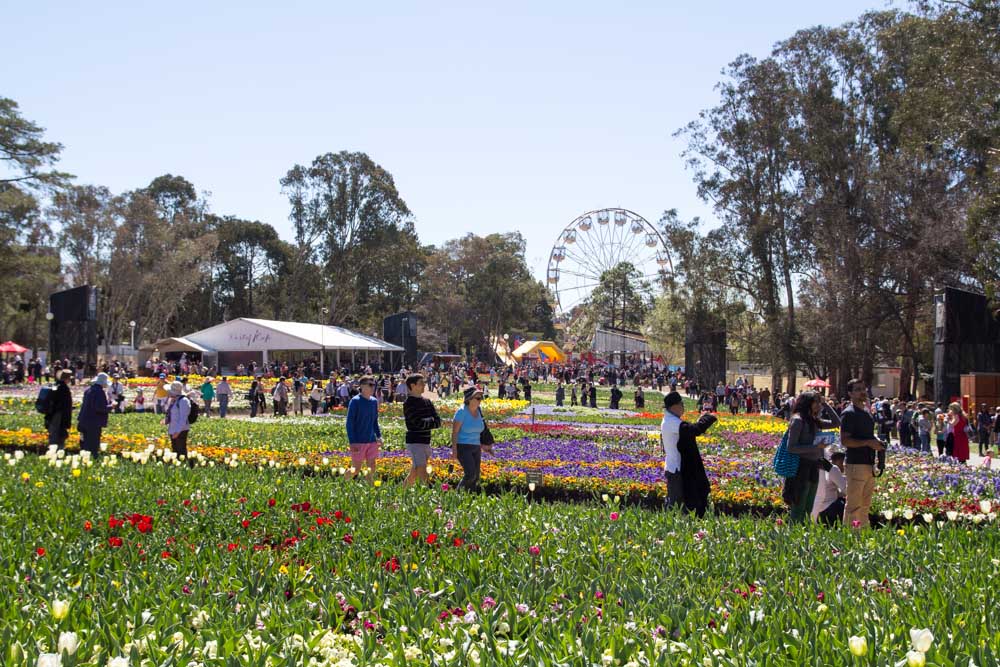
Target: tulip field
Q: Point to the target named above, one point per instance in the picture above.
(262, 553)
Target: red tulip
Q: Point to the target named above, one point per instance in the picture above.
(432, 538)
(40, 551)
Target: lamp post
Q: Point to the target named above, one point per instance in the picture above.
(132, 324)
(322, 340)
(49, 316)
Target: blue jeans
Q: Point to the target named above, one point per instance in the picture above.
(925, 442)
(223, 404)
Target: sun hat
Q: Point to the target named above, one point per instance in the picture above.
(101, 379)
(176, 387)
(470, 393)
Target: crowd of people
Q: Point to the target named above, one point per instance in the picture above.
(830, 484)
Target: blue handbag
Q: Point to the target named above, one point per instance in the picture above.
(785, 463)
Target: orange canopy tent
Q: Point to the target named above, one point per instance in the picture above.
(545, 350)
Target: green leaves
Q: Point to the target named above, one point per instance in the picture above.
(651, 587)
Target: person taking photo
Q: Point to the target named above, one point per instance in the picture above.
(857, 434)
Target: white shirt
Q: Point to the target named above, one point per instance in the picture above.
(670, 431)
(832, 483)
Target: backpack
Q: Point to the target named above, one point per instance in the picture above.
(195, 411)
(43, 404)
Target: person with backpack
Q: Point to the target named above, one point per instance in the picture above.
(811, 414)
(93, 415)
(179, 417)
(58, 409)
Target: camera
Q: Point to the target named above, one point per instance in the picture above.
(880, 458)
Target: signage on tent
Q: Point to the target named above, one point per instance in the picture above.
(250, 339)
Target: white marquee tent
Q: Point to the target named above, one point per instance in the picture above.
(247, 339)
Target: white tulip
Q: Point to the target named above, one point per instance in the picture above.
(68, 642)
(921, 639)
(928, 517)
(119, 662)
(49, 660)
(858, 646)
(908, 514)
(59, 609)
(952, 515)
(915, 659)
(531, 487)
(985, 506)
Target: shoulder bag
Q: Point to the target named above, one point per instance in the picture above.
(486, 437)
(785, 463)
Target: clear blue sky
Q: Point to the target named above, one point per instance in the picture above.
(518, 116)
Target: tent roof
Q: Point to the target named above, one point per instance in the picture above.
(327, 336)
(176, 344)
(546, 347)
(306, 335)
(11, 346)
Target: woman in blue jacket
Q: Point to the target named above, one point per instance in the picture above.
(93, 416)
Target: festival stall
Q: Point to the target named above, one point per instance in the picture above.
(246, 339)
(544, 350)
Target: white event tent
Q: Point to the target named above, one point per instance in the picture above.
(248, 339)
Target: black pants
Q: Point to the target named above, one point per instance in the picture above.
(675, 489)
(949, 444)
(90, 440)
(470, 458)
(940, 446)
(984, 441)
(313, 405)
(179, 443)
(834, 514)
(905, 436)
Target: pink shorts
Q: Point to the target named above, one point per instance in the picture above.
(360, 453)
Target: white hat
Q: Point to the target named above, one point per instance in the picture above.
(176, 387)
(101, 379)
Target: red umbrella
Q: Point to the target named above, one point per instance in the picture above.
(10, 347)
(818, 384)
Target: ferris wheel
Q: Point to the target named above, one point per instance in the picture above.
(598, 241)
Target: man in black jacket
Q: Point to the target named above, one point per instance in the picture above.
(694, 479)
(60, 414)
(421, 418)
